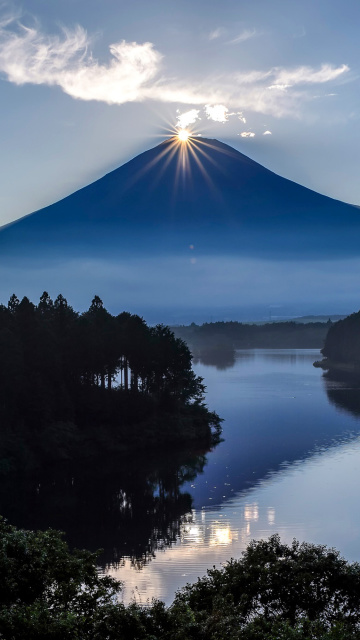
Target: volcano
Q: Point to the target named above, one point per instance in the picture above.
(195, 203)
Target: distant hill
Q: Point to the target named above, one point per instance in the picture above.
(220, 338)
(303, 319)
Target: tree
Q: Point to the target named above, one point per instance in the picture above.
(300, 586)
(56, 364)
(45, 590)
(46, 305)
(275, 591)
(342, 344)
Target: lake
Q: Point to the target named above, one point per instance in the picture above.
(289, 463)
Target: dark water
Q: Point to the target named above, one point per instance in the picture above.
(289, 463)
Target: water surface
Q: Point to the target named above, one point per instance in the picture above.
(289, 463)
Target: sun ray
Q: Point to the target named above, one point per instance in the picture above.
(171, 153)
(167, 149)
(189, 151)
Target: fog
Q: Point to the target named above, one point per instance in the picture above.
(183, 289)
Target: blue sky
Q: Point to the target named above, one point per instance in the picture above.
(85, 86)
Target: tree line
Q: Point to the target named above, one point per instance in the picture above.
(237, 335)
(91, 369)
(342, 344)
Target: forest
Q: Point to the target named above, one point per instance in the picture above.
(214, 340)
(73, 384)
(342, 344)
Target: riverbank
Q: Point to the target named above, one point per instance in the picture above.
(337, 366)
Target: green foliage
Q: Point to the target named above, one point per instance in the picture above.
(46, 591)
(274, 592)
(280, 591)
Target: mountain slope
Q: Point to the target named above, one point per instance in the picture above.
(186, 231)
(202, 193)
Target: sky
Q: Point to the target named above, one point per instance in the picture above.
(86, 86)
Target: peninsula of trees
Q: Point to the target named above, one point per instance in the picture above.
(342, 346)
(73, 383)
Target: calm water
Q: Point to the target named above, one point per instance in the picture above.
(289, 463)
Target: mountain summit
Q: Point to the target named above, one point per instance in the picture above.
(171, 219)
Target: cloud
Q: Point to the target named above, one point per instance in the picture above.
(217, 33)
(267, 133)
(247, 134)
(135, 72)
(29, 57)
(307, 75)
(243, 36)
(189, 117)
(279, 87)
(218, 113)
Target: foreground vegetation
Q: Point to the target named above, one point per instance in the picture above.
(301, 592)
(74, 383)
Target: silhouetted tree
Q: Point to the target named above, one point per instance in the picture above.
(55, 365)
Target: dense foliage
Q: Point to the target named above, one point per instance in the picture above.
(64, 374)
(274, 591)
(342, 344)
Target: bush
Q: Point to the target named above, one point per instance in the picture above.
(274, 592)
(306, 588)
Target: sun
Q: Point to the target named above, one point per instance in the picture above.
(183, 135)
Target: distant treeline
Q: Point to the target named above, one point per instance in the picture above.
(82, 382)
(236, 335)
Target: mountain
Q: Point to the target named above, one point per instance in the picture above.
(201, 192)
(200, 201)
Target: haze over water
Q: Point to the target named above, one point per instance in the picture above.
(289, 463)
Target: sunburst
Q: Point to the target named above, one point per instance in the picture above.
(187, 148)
(183, 135)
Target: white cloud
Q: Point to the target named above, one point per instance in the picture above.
(307, 75)
(243, 36)
(217, 33)
(247, 134)
(279, 87)
(189, 117)
(29, 57)
(252, 77)
(241, 117)
(218, 113)
(267, 133)
(134, 73)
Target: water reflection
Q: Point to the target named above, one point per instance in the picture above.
(223, 358)
(343, 391)
(129, 508)
(289, 463)
(219, 357)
